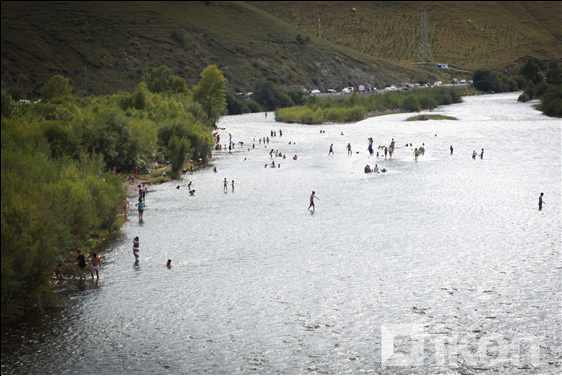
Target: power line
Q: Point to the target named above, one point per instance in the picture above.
(424, 53)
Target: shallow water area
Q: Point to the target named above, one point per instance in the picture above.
(440, 265)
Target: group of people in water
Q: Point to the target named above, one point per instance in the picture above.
(388, 152)
(95, 266)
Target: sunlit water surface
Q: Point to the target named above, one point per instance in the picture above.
(451, 245)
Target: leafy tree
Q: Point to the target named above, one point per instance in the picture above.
(482, 79)
(530, 70)
(159, 80)
(411, 103)
(554, 73)
(297, 95)
(179, 86)
(178, 150)
(9, 108)
(235, 104)
(56, 87)
(271, 96)
(140, 98)
(551, 101)
(211, 93)
(16, 93)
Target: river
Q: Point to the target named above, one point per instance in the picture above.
(441, 265)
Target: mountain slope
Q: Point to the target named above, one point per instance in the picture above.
(311, 44)
(120, 41)
(467, 34)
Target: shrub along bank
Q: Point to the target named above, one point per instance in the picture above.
(535, 85)
(356, 108)
(58, 190)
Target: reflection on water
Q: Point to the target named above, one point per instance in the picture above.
(448, 254)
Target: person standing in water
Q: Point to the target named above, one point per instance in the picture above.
(474, 154)
(233, 186)
(81, 263)
(95, 263)
(451, 148)
(312, 197)
(141, 206)
(331, 149)
(482, 154)
(349, 152)
(225, 185)
(136, 248)
(541, 201)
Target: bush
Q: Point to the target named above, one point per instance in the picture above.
(272, 96)
(56, 87)
(236, 104)
(551, 101)
(411, 103)
(523, 98)
(253, 106)
(178, 150)
(355, 108)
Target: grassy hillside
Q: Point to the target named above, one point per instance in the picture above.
(120, 41)
(467, 34)
(340, 44)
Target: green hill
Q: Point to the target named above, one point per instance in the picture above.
(120, 41)
(312, 44)
(466, 34)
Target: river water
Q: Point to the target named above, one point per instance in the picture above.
(441, 265)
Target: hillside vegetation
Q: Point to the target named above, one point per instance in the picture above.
(310, 44)
(120, 41)
(467, 34)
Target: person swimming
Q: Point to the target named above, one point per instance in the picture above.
(169, 263)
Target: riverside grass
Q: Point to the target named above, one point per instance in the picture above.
(356, 108)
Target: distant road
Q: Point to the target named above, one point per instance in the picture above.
(382, 91)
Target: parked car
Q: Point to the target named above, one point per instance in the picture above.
(314, 92)
(438, 83)
(249, 95)
(455, 81)
(345, 90)
(331, 91)
(463, 82)
(24, 101)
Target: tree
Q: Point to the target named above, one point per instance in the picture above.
(211, 93)
(9, 108)
(530, 70)
(179, 86)
(159, 80)
(178, 150)
(272, 96)
(554, 73)
(56, 87)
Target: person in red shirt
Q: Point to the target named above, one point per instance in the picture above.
(136, 169)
